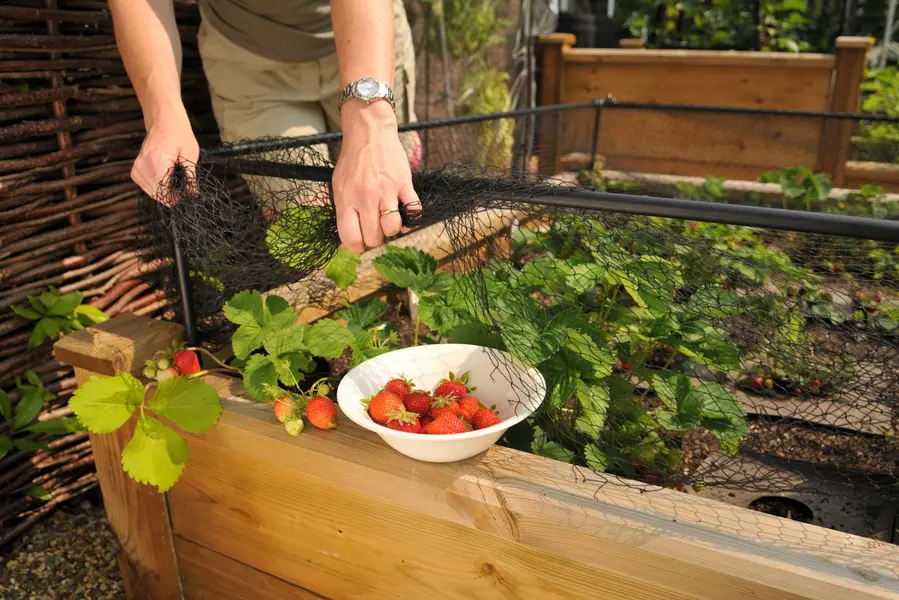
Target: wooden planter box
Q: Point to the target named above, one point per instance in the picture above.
(696, 144)
(259, 514)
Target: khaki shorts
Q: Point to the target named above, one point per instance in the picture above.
(255, 97)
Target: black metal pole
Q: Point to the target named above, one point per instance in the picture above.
(594, 141)
(182, 272)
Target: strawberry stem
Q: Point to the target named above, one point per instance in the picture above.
(214, 358)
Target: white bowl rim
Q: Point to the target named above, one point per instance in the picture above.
(449, 437)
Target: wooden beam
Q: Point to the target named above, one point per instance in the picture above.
(137, 514)
(343, 515)
(844, 98)
(708, 58)
(550, 51)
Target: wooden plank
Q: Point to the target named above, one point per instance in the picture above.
(122, 343)
(848, 72)
(208, 575)
(705, 58)
(137, 514)
(310, 510)
(859, 173)
(550, 51)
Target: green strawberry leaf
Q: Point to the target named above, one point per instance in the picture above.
(5, 445)
(246, 339)
(594, 399)
(26, 313)
(156, 455)
(260, 377)
(192, 404)
(26, 445)
(58, 426)
(718, 403)
(671, 387)
(342, 268)
(5, 406)
(360, 316)
(596, 458)
(258, 319)
(90, 315)
(65, 304)
(599, 360)
(328, 338)
(37, 492)
(290, 339)
(411, 268)
(728, 433)
(245, 308)
(30, 405)
(50, 326)
(279, 314)
(292, 366)
(105, 404)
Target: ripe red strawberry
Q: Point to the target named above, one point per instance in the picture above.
(383, 405)
(404, 420)
(399, 386)
(321, 412)
(454, 386)
(425, 421)
(485, 418)
(418, 402)
(443, 404)
(468, 406)
(446, 423)
(187, 362)
(285, 408)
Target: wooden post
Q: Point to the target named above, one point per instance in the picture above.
(137, 514)
(849, 68)
(550, 51)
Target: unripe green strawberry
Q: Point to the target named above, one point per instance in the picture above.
(150, 373)
(162, 364)
(294, 426)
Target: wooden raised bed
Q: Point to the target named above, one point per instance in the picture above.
(694, 144)
(260, 514)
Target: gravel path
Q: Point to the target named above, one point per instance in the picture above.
(69, 556)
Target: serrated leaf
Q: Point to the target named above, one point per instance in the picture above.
(37, 492)
(599, 359)
(245, 308)
(669, 387)
(105, 404)
(65, 304)
(410, 268)
(291, 339)
(58, 426)
(728, 433)
(5, 445)
(718, 403)
(260, 376)
(30, 405)
(328, 339)
(156, 455)
(192, 404)
(342, 268)
(246, 339)
(359, 316)
(278, 313)
(594, 399)
(596, 458)
(292, 366)
(5, 406)
(90, 315)
(26, 445)
(26, 313)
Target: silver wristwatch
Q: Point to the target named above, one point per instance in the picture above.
(367, 89)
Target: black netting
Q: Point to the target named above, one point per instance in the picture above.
(679, 353)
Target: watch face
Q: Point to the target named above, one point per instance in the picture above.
(368, 88)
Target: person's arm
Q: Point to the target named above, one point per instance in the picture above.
(148, 41)
(372, 174)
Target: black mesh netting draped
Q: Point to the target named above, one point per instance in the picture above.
(677, 352)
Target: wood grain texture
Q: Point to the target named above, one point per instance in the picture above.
(208, 575)
(859, 173)
(343, 515)
(122, 343)
(848, 72)
(137, 514)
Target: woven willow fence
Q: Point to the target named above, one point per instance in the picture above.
(70, 127)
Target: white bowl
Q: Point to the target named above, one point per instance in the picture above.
(490, 371)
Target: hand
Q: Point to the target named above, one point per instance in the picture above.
(372, 175)
(168, 140)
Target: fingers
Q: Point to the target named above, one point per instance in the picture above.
(370, 221)
(391, 222)
(349, 230)
(410, 199)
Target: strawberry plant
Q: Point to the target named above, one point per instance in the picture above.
(156, 453)
(54, 314)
